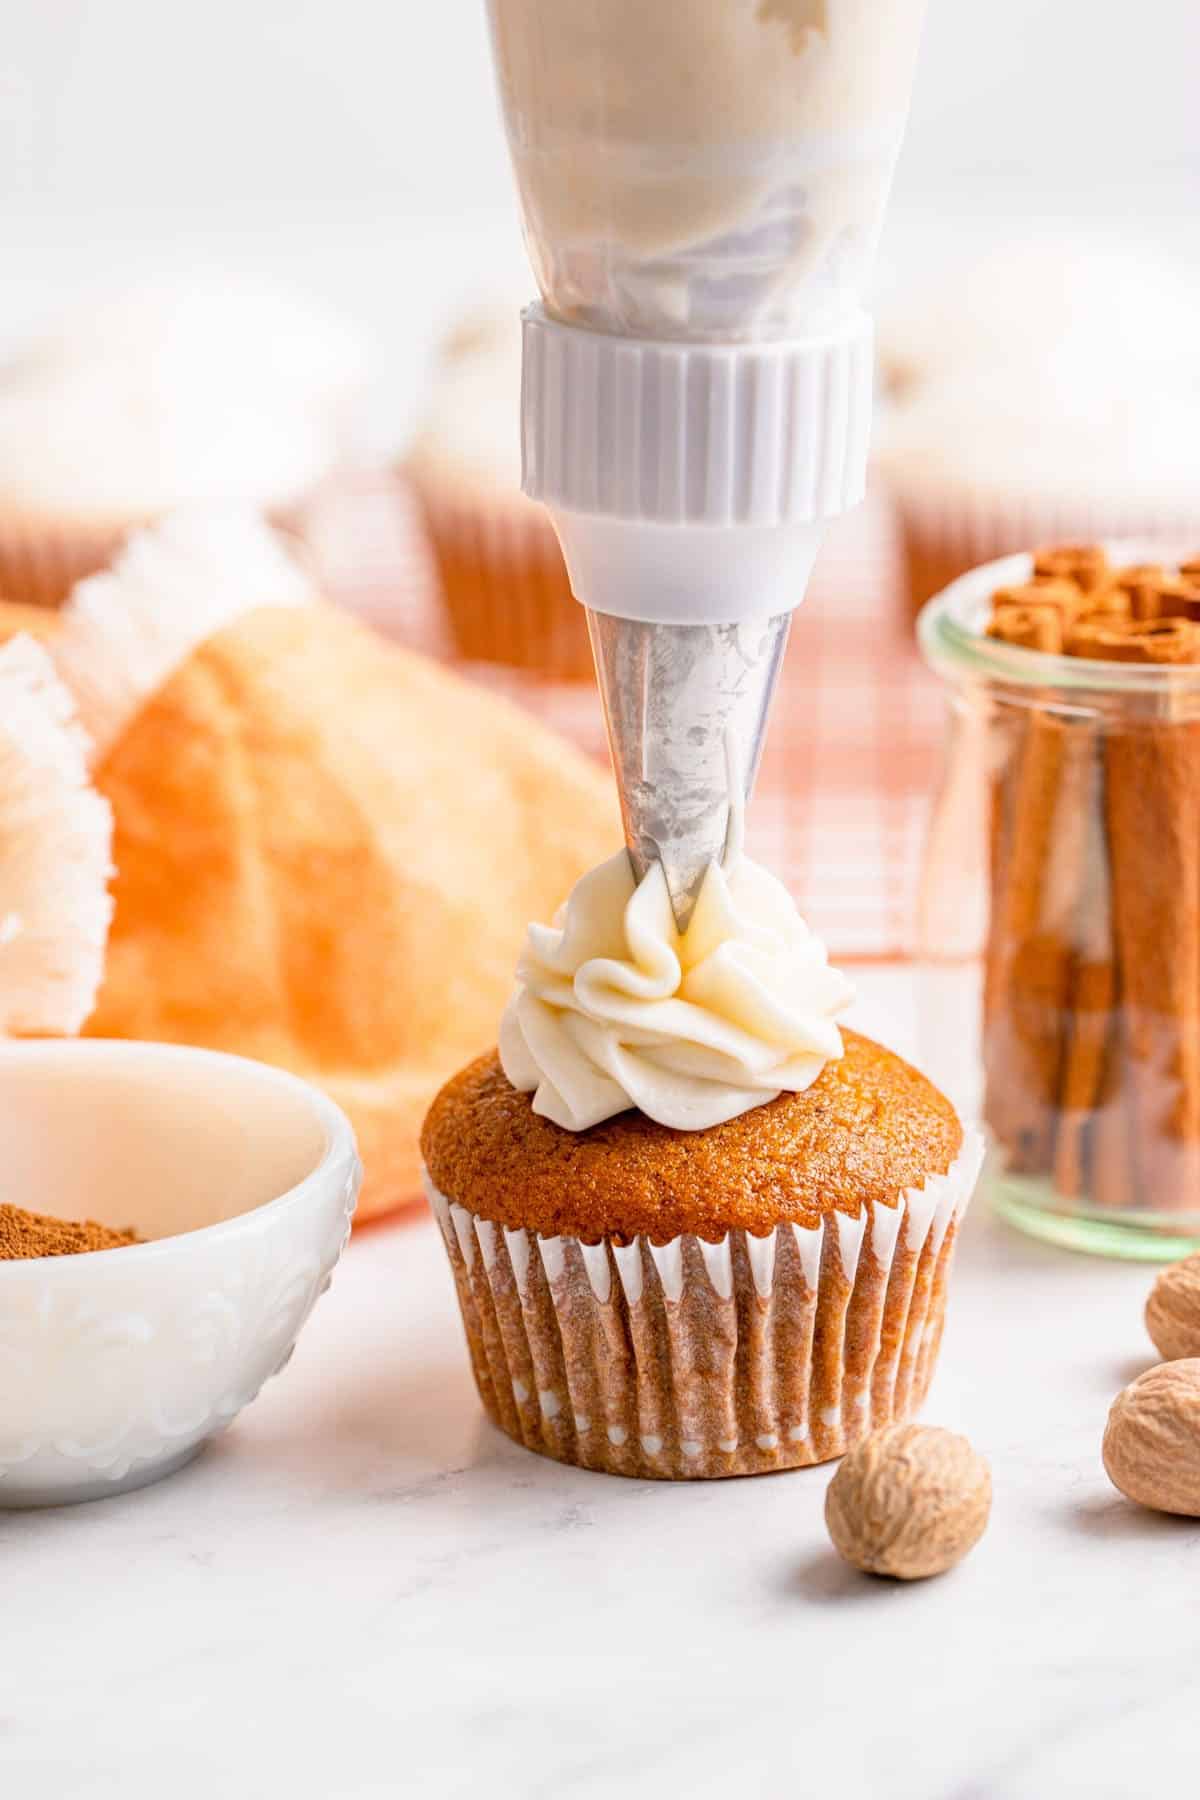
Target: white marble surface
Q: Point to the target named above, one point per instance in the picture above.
(363, 1590)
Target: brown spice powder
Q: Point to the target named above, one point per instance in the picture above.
(26, 1234)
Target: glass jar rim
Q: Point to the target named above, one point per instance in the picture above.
(952, 639)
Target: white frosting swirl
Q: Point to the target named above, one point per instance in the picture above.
(615, 1008)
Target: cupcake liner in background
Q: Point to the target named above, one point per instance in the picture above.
(689, 1359)
(1043, 388)
(42, 559)
(503, 580)
(367, 540)
(945, 533)
(185, 390)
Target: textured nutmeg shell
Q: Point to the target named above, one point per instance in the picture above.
(909, 1501)
(1152, 1442)
(1173, 1310)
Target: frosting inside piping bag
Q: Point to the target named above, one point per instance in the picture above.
(615, 1008)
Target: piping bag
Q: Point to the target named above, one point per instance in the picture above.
(702, 184)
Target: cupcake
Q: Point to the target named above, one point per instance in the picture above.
(503, 579)
(1047, 392)
(695, 1229)
(173, 394)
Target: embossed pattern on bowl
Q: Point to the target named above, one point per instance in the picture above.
(116, 1366)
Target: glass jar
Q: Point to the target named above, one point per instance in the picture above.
(1065, 854)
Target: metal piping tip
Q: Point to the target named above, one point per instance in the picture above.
(676, 697)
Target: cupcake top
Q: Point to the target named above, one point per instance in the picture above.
(1035, 301)
(472, 428)
(1062, 369)
(1056, 433)
(175, 393)
(869, 1128)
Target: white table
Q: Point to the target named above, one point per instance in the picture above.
(364, 1590)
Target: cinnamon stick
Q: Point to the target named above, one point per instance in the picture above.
(1035, 804)
(1037, 614)
(1151, 592)
(1154, 641)
(1111, 602)
(1089, 1067)
(1140, 584)
(1092, 990)
(1153, 821)
(1178, 597)
(1031, 627)
(1086, 565)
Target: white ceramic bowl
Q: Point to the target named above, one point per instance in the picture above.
(115, 1366)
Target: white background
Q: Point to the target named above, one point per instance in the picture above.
(354, 144)
(317, 109)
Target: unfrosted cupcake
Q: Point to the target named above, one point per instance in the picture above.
(1047, 392)
(502, 573)
(694, 1231)
(326, 847)
(175, 393)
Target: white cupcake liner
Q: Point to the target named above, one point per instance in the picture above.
(692, 1359)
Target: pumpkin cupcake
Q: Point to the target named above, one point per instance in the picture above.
(695, 1231)
(182, 392)
(1046, 391)
(503, 579)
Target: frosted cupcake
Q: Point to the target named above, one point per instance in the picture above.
(1047, 392)
(177, 393)
(502, 574)
(695, 1231)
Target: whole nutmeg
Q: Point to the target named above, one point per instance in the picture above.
(1152, 1442)
(1173, 1310)
(909, 1501)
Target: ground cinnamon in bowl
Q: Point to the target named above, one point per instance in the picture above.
(25, 1234)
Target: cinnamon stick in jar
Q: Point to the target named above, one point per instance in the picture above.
(1038, 803)
(1139, 587)
(1036, 615)
(1085, 565)
(1092, 992)
(1179, 598)
(1152, 808)
(1091, 1129)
